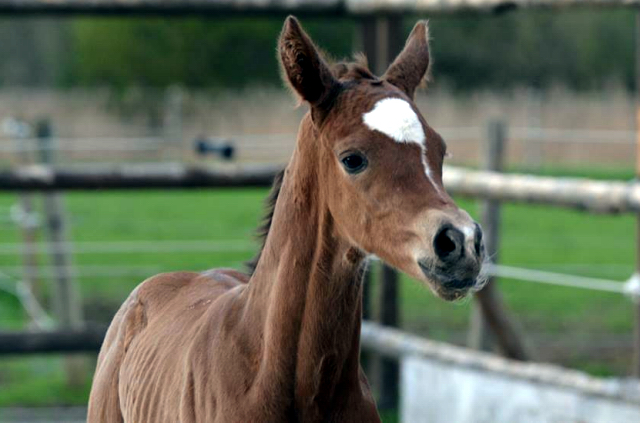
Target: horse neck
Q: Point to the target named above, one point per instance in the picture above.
(307, 288)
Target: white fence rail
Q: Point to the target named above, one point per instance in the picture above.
(442, 383)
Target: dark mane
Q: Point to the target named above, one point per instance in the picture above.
(263, 229)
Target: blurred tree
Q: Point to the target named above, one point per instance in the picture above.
(582, 49)
(193, 52)
(33, 52)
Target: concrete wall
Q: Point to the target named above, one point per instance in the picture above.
(434, 391)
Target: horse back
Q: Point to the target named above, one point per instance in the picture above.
(147, 334)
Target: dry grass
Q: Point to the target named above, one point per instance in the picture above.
(263, 121)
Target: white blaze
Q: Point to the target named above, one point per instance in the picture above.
(396, 119)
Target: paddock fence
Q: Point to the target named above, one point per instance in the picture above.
(582, 194)
(490, 185)
(529, 147)
(472, 386)
(380, 21)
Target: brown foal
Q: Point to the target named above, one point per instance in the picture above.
(283, 344)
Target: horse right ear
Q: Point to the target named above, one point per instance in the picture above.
(412, 64)
(305, 70)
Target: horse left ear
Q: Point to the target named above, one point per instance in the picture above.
(412, 64)
(305, 70)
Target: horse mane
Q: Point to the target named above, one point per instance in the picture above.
(356, 70)
(263, 229)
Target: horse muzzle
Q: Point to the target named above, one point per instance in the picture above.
(456, 268)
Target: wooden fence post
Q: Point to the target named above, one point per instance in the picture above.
(174, 145)
(489, 313)
(26, 220)
(635, 371)
(382, 41)
(480, 337)
(389, 375)
(66, 301)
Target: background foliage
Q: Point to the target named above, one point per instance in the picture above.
(583, 50)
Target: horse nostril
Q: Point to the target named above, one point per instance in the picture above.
(478, 240)
(448, 243)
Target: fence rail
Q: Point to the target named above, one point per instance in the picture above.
(176, 176)
(287, 139)
(396, 343)
(87, 339)
(274, 7)
(90, 144)
(133, 246)
(578, 193)
(388, 341)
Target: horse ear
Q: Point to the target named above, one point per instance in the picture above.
(412, 64)
(304, 69)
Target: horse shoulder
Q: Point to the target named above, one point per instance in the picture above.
(146, 302)
(104, 402)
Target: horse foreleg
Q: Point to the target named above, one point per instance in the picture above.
(104, 401)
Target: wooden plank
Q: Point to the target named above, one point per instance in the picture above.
(217, 8)
(299, 7)
(395, 343)
(467, 6)
(87, 339)
(607, 197)
(165, 176)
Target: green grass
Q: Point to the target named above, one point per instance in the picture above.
(39, 381)
(532, 236)
(390, 416)
(555, 240)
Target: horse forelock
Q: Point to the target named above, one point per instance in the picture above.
(356, 70)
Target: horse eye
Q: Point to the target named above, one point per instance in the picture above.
(354, 163)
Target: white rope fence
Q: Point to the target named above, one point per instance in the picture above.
(560, 135)
(630, 288)
(588, 195)
(91, 144)
(266, 142)
(121, 247)
(91, 271)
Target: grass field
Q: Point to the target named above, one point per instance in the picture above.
(566, 319)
